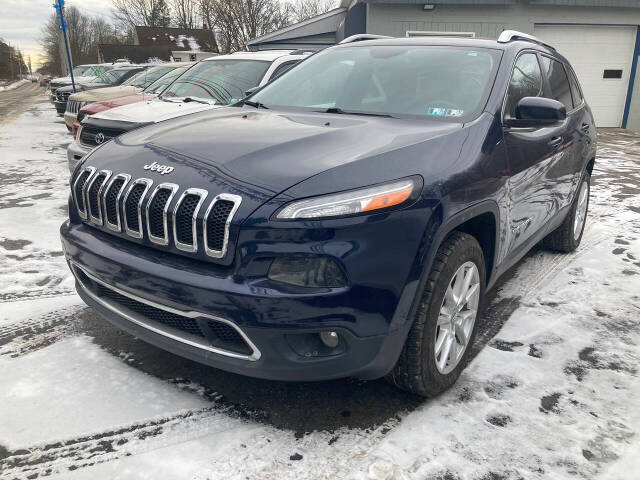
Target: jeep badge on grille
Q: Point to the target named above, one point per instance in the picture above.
(161, 169)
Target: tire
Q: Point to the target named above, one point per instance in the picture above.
(417, 370)
(567, 236)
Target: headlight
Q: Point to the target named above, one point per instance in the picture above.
(352, 202)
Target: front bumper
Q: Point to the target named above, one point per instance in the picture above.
(69, 118)
(61, 106)
(75, 152)
(280, 327)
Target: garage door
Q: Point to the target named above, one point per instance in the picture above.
(601, 57)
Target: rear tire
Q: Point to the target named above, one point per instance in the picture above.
(440, 319)
(568, 235)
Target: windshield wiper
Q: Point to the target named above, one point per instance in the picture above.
(346, 112)
(196, 99)
(255, 104)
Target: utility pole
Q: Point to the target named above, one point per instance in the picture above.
(59, 6)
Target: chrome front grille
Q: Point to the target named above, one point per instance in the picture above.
(73, 106)
(134, 208)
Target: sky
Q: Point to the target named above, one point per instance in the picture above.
(22, 21)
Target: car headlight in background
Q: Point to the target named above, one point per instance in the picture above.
(352, 202)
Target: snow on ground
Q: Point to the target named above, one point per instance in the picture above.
(13, 85)
(553, 394)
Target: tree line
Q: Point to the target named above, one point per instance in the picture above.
(234, 23)
(12, 63)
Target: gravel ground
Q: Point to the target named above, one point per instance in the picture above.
(551, 391)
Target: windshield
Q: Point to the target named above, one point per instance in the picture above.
(147, 76)
(224, 81)
(163, 82)
(112, 76)
(78, 71)
(440, 82)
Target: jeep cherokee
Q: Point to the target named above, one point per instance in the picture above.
(346, 219)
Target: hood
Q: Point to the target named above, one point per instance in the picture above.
(95, 107)
(107, 93)
(67, 80)
(273, 150)
(152, 111)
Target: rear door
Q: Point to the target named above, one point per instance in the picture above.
(532, 155)
(565, 165)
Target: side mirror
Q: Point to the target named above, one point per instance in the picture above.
(251, 91)
(537, 111)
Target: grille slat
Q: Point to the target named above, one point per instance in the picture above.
(93, 195)
(112, 201)
(78, 191)
(132, 206)
(216, 223)
(157, 210)
(184, 219)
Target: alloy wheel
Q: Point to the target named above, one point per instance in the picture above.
(457, 317)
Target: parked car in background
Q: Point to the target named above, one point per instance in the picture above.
(345, 220)
(149, 93)
(81, 73)
(113, 77)
(210, 83)
(44, 80)
(132, 85)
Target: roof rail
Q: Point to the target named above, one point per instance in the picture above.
(301, 51)
(360, 37)
(512, 35)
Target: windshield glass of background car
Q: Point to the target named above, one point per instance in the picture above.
(425, 81)
(225, 81)
(79, 71)
(163, 82)
(146, 77)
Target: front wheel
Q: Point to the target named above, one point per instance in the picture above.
(568, 235)
(439, 341)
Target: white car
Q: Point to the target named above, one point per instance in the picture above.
(211, 83)
(81, 74)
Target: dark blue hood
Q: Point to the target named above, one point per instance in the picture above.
(268, 150)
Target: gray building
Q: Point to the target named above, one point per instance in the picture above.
(599, 37)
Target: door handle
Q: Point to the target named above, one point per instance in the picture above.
(555, 142)
(585, 127)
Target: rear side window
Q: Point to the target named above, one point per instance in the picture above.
(280, 69)
(575, 89)
(558, 81)
(526, 81)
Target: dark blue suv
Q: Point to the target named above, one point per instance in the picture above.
(344, 220)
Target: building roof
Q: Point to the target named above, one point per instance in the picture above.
(320, 24)
(134, 53)
(191, 39)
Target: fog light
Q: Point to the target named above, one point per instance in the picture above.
(330, 339)
(307, 272)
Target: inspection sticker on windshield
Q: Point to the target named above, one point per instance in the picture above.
(436, 111)
(452, 112)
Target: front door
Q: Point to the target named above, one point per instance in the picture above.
(534, 155)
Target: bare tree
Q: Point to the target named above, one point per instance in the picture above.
(185, 13)
(301, 10)
(150, 13)
(238, 21)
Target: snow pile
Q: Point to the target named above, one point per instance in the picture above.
(194, 46)
(13, 85)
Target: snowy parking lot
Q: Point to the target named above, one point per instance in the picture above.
(551, 393)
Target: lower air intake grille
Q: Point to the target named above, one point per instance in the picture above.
(227, 337)
(168, 319)
(217, 222)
